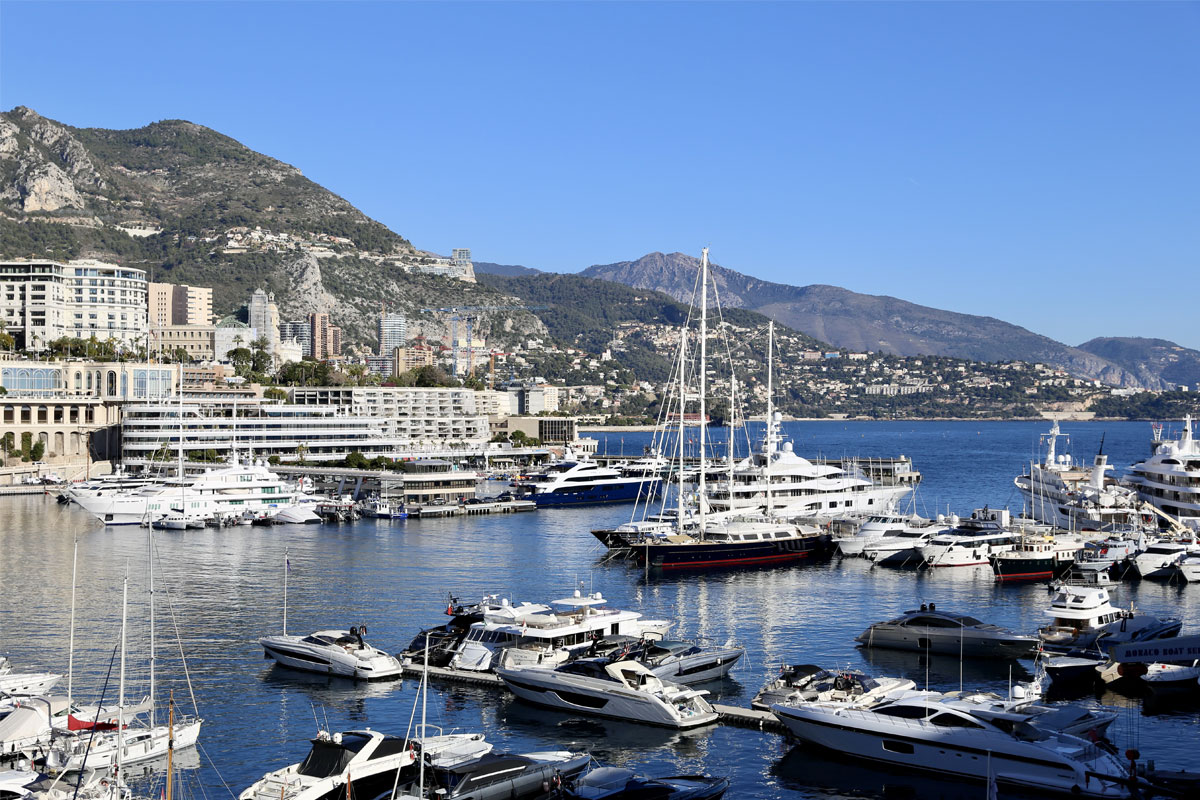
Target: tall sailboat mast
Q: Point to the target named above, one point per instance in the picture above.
(770, 442)
(701, 498)
(71, 644)
(150, 548)
(682, 408)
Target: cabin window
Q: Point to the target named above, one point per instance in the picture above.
(903, 748)
(945, 720)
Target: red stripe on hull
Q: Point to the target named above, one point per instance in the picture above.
(1025, 576)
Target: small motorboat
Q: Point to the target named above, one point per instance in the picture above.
(806, 683)
(340, 653)
(676, 661)
(502, 776)
(614, 783)
(928, 630)
(296, 515)
(618, 689)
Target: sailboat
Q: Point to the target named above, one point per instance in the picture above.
(142, 741)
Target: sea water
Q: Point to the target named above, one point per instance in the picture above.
(218, 590)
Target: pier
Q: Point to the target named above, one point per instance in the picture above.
(729, 715)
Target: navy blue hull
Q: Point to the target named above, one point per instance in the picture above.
(716, 556)
(616, 493)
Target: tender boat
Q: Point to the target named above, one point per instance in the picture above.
(928, 630)
(614, 783)
(583, 482)
(623, 690)
(340, 653)
(1084, 617)
(928, 733)
(502, 776)
(973, 542)
(806, 683)
(369, 761)
(548, 634)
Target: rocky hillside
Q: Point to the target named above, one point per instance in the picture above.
(506, 270)
(190, 205)
(1158, 363)
(868, 322)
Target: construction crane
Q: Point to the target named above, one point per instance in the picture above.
(469, 314)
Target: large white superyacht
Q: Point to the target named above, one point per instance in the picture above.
(798, 487)
(1170, 479)
(231, 489)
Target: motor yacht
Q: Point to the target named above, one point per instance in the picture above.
(798, 487)
(583, 481)
(382, 508)
(340, 653)
(1072, 496)
(1085, 618)
(1160, 559)
(902, 546)
(1170, 479)
(567, 626)
(1189, 568)
(442, 642)
(27, 683)
(371, 762)
(972, 542)
(879, 526)
(619, 689)
(236, 487)
(928, 630)
(1037, 557)
(927, 733)
(502, 776)
(679, 662)
(807, 683)
(615, 783)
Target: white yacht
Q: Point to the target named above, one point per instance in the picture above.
(802, 488)
(342, 654)
(25, 683)
(234, 488)
(1085, 616)
(1161, 559)
(925, 733)
(582, 482)
(900, 546)
(879, 526)
(1170, 479)
(807, 683)
(372, 763)
(972, 542)
(1189, 568)
(623, 690)
(1069, 495)
(540, 633)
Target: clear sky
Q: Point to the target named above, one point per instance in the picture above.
(1036, 162)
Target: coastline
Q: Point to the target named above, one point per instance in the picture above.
(1065, 418)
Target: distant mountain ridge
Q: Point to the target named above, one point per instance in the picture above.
(1152, 360)
(505, 270)
(863, 322)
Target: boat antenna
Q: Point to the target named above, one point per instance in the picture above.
(1101, 451)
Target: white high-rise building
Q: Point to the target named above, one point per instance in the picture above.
(392, 328)
(264, 318)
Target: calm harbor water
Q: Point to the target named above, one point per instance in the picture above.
(225, 589)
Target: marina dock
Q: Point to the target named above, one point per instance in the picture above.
(730, 715)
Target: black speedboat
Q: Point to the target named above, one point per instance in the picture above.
(613, 783)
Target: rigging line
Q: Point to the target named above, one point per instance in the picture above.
(95, 723)
(179, 641)
(213, 764)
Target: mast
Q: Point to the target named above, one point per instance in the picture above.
(170, 742)
(286, 566)
(71, 646)
(770, 443)
(150, 547)
(700, 495)
(682, 409)
(121, 692)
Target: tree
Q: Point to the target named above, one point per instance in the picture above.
(275, 393)
(37, 451)
(242, 360)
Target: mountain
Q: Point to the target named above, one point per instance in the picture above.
(506, 270)
(862, 322)
(191, 205)
(1158, 363)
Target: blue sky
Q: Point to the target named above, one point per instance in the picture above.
(1036, 162)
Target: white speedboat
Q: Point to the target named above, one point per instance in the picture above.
(339, 653)
(1189, 568)
(900, 547)
(372, 763)
(1084, 617)
(1160, 559)
(879, 526)
(623, 690)
(27, 683)
(806, 683)
(972, 543)
(679, 662)
(1170, 479)
(925, 733)
(547, 633)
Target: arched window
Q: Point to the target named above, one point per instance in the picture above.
(78, 382)
(89, 383)
(112, 383)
